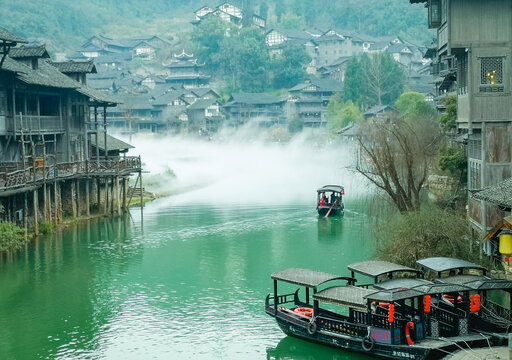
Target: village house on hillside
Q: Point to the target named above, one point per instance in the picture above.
(230, 12)
(185, 70)
(257, 108)
(140, 47)
(53, 162)
(473, 54)
(310, 100)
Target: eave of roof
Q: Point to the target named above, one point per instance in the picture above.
(439, 264)
(8, 36)
(304, 277)
(376, 268)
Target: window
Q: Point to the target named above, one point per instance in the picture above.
(475, 176)
(434, 14)
(475, 146)
(462, 76)
(491, 74)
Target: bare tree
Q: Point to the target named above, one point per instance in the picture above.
(396, 156)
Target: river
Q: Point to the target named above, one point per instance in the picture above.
(187, 277)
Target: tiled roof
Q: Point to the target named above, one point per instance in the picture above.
(9, 36)
(48, 75)
(112, 142)
(25, 51)
(500, 194)
(255, 98)
(326, 85)
(377, 109)
(202, 104)
(76, 67)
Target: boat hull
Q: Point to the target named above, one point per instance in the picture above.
(336, 211)
(427, 349)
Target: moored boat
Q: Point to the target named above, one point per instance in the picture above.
(330, 200)
(398, 318)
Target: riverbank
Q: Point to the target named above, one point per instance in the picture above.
(501, 352)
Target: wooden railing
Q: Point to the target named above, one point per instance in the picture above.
(34, 123)
(11, 178)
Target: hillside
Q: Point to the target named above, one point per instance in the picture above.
(63, 25)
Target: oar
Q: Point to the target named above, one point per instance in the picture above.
(328, 212)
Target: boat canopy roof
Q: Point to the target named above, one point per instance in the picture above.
(326, 188)
(440, 288)
(376, 268)
(400, 283)
(439, 264)
(351, 296)
(392, 295)
(306, 277)
(478, 282)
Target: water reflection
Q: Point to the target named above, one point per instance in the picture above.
(297, 349)
(330, 228)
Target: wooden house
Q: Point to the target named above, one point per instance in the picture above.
(47, 122)
(186, 71)
(204, 116)
(231, 12)
(262, 109)
(474, 46)
(310, 100)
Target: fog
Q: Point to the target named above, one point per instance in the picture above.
(243, 168)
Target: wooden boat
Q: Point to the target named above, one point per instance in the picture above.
(330, 200)
(397, 318)
(491, 316)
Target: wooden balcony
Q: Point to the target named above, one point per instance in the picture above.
(11, 177)
(30, 124)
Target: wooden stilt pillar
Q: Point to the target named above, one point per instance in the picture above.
(49, 196)
(77, 199)
(58, 205)
(118, 196)
(25, 215)
(73, 201)
(112, 195)
(105, 200)
(98, 193)
(141, 191)
(36, 203)
(125, 194)
(45, 203)
(87, 198)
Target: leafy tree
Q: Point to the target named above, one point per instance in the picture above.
(412, 105)
(374, 80)
(207, 40)
(453, 160)
(449, 119)
(341, 114)
(383, 79)
(353, 90)
(244, 61)
(280, 9)
(289, 68)
(291, 20)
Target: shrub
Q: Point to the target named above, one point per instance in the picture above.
(426, 233)
(46, 228)
(12, 237)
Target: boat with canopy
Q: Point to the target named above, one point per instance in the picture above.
(329, 200)
(399, 315)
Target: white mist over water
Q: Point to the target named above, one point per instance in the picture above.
(243, 171)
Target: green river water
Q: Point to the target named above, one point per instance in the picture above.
(185, 279)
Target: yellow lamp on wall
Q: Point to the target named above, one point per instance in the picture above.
(506, 244)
